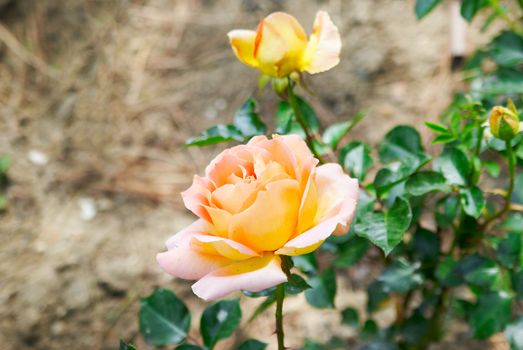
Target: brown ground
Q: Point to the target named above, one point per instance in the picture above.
(96, 100)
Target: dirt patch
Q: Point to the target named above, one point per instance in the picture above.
(96, 100)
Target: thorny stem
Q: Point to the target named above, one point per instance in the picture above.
(286, 265)
(310, 136)
(280, 295)
(512, 176)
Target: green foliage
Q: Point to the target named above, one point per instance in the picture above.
(356, 159)
(164, 319)
(386, 229)
(424, 7)
(219, 321)
(252, 344)
(334, 133)
(349, 317)
(246, 123)
(323, 290)
(125, 346)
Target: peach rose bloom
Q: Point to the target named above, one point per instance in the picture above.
(256, 202)
(279, 46)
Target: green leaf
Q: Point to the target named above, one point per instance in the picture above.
(443, 139)
(296, 285)
(425, 182)
(400, 277)
(252, 344)
(472, 201)
(248, 121)
(509, 250)
(396, 172)
(369, 330)
(507, 49)
(424, 7)
(306, 263)
(308, 113)
(386, 229)
(323, 290)
(216, 134)
(514, 334)
(219, 321)
(401, 142)
(376, 296)
(486, 275)
(447, 274)
(447, 209)
(454, 165)
(126, 346)
(437, 127)
(469, 8)
(334, 133)
(351, 252)
(286, 122)
(492, 168)
(490, 314)
(189, 347)
(349, 317)
(164, 319)
(517, 283)
(426, 246)
(513, 222)
(356, 159)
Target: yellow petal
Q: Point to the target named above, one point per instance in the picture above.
(208, 244)
(220, 219)
(242, 42)
(234, 198)
(324, 46)
(280, 43)
(271, 220)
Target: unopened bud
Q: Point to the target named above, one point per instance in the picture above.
(504, 123)
(280, 85)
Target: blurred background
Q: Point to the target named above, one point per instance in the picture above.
(96, 101)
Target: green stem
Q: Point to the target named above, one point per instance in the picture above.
(280, 295)
(511, 157)
(310, 136)
(511, 22)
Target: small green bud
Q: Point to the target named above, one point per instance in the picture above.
(504, 123)
(280, 85)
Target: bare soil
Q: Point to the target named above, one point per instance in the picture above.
(96, 101)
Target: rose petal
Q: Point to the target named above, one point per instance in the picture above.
(337, 199)
(280, 42)
(270, 221)
(223, 246)
(197, 196)
(183, 262)
(253, 275)
(183, 237)
(311, 239)
(324, 46)
(242, 42)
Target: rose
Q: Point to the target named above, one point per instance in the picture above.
(280, 47)
(256, 202)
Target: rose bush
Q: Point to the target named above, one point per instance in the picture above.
(256, 202)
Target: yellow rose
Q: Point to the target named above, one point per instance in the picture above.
(256, 202)
(504, 123)
(280, 47)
